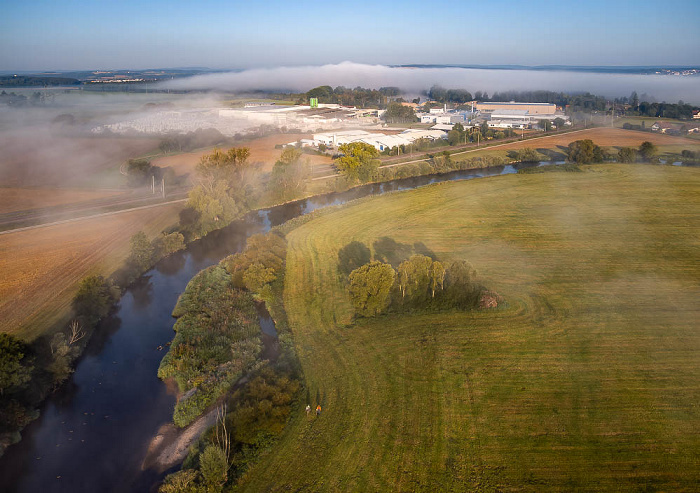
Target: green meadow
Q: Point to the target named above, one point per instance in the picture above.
(586, 377)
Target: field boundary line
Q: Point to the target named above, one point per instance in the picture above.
(93, 216)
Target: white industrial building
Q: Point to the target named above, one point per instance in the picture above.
(520, 118)
(377, 140)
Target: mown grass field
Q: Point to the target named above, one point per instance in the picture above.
(588, 379)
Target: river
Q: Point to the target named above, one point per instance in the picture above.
(93, 433)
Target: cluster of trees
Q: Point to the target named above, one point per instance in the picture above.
(586, 151)
(202, 137)
(259, 265)
(223, 192)
(36, 81)
(398, 113)
(419, 282)
(359, 162)
(259, 411)
(359, 96)
(442, 95)
(255, 415)
(17, 407)
(647, 151)
(525, 155)
(140, 172)
(690, 156)
(217, 340)
(18, 100)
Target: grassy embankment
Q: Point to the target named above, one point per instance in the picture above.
(587, 380)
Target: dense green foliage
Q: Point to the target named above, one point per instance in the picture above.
(142, 252)
(258, 265)
(358, 162)
(36, 81)
(398, 113)
(94, 299)
(419, 282)
(442, 95)
(222, 194)
(360, 97)
(584, 152)
(647, 150)
(370, 288)
(626, 155)
(217, 341)
(15, 370)
(259, 409)
(525, 155)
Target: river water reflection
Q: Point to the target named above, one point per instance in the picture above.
(93, 433)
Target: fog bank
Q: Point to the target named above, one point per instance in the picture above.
(414, 80)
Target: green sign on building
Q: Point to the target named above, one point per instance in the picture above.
(313, 102)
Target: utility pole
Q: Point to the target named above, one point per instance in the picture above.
(153, 184)
(162, 187)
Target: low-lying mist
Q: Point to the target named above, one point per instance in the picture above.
(49, 143)
(416, 80)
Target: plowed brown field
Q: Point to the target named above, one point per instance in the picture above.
(42, 267)
(602, 136)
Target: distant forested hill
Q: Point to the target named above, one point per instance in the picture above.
(34, 81)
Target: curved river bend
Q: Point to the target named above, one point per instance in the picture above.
(93, 433)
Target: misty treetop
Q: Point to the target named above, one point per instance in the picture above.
(221, 195)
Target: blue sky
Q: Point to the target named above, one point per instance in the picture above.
(110, 34)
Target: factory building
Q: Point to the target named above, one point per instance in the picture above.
(531, 108)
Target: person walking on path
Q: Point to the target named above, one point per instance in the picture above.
(318, 410)
(308, 409)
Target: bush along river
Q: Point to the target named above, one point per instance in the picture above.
(93, 433)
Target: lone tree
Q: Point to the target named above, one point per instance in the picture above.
(626, 155)
(94, 298)
(359, 161)
(370, 288)
(289, 175)
(142, 252)
(584, 151)
(647, 150)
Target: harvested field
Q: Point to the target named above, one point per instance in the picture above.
(48, 160)
(21, 199)
(261, 150)
(42, 267)
(602, 136)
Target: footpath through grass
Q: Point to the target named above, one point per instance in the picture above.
(588, 380)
